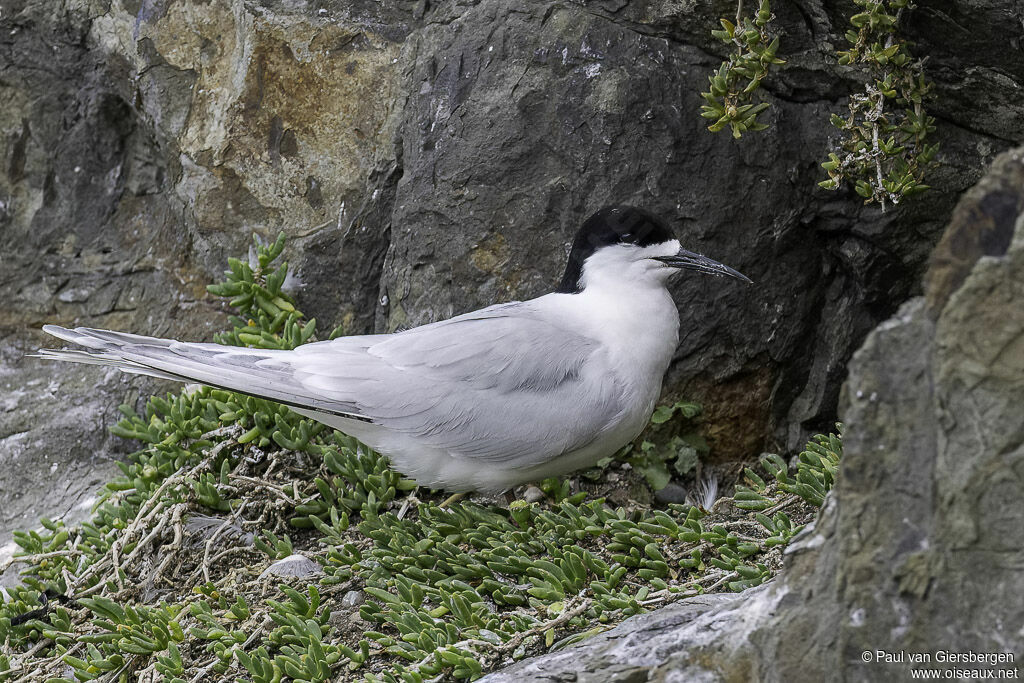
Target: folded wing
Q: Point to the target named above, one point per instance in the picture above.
(503, 384)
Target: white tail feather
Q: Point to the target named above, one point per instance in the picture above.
(265, 373)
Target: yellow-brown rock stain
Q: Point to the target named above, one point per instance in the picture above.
(735, 417)
(294, 108)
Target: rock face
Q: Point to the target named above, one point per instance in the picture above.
(921, 542)
(430, 158)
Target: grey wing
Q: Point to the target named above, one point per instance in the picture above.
(499, 384)
(502, 384)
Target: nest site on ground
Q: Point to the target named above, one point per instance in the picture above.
(245, 543)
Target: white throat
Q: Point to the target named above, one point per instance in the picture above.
(624, 305)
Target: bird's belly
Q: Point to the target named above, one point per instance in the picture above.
(435, 467)
(605, 445)
(638, 405)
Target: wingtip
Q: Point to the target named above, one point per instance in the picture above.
(46, 353)
(56, 331)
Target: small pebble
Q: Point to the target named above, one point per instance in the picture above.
(533, 495)
(353, 599)
(672, 493)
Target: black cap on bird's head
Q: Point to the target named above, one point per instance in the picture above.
(620, 225)
(630, 226)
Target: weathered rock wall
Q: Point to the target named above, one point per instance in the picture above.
(142, 144)
(430, 158)
(920, 545)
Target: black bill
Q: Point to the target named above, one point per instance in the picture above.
(692, 261)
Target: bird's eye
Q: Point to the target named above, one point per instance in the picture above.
(629, 238)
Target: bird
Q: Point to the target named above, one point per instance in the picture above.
(484, 401)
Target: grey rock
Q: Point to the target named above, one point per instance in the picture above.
(983, 224)
(532, 494)
(629, 652)
(670, 493)
(920, 543)
(55, 450)
(429, 158)
(353, 599)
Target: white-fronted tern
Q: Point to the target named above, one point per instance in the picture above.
(484, 401)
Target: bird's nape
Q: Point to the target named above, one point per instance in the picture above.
(609, 227)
